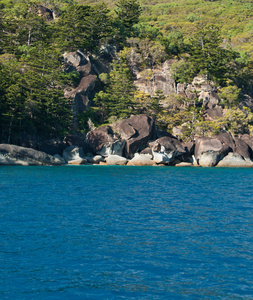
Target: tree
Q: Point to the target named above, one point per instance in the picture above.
(32, 99)
(182, 71)
(230, 95)
(208, 57)
(238, 121)
(83, 27)
(128, 13)
(174, 43)
(23, 27)
(12, 97)
(152, 52)
(118, 97)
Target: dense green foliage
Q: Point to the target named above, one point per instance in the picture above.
(142, 35)
(118, 95)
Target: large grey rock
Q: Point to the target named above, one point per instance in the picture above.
(116, 160)
(165, 150)
(162, 158)
(77, 61)
(115, 148)
(248, 140)
(209, 159)
(189, 147)
(226, 139)
(45, 12)
(73, 153)
(103, 141)
(81, 94)
(15, 155)
(242, 148)
(141, 160)
(209, 151)
(234, 160)
(97, 159)
(62, 160)
(207, 144)
(147, 150)
(136, 131)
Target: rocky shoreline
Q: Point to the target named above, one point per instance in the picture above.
(135, 142)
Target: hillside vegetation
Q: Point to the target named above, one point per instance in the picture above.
(212, 39)
(234, 17)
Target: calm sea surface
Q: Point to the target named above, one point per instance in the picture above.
(100, 232)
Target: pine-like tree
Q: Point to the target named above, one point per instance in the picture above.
(118, 97)
(208, 57)
(83, 27)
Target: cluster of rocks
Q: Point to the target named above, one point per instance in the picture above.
(160, 79)
(89, 69)
(136, 142)
(200, 90)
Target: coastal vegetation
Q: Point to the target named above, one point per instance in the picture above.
(205, 39)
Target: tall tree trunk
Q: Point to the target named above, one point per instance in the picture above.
(29, 38)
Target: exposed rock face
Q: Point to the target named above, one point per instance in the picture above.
(77, 61)
(200, 80)
(116, 160)
(81, 94)
(248, 140)
(190, 92)
(234, 160)
(186, 91)
(242, 148)
(181, 88)
(73, 153)
(159, 79)
(147, 150)
(189, 147)
(100, 66)
(45, 12)
(96, 159)
(212, 114)
(15, 155)
(62, 160)
(141, 160)
(247, 101)
(210, 99)
(209, 151)
(227, 139)
(136, 131)
(165, 149)
(206, 144)
(209, 159)
(103, 142)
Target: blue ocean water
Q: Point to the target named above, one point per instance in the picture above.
(101, 232)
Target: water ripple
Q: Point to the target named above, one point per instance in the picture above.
(126, 233)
